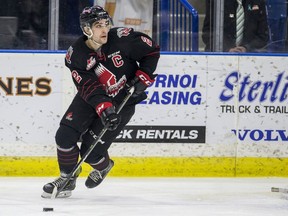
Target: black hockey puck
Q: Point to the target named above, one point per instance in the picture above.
(47, 209)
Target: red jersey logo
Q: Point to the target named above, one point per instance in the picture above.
(69, 116)
(109, 81)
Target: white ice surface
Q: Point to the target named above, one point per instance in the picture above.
(149, 197)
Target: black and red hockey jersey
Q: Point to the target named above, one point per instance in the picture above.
(100, 76)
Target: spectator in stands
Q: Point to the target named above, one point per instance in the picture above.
(254, 33)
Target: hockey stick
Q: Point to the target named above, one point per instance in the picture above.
(56, 191)
(281, 190)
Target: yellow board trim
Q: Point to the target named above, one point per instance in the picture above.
(156, 167)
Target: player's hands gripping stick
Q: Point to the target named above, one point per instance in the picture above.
(141, 81)
(110, 118)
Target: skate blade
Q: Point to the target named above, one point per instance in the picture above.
(62, 194)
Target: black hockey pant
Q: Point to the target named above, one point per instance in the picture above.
(77, 123)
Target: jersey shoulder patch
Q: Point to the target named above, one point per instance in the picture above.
(68, 55)
(147, 41)
(123, 32)
(78, 56)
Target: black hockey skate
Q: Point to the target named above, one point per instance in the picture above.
(67, 190)
(97, 176)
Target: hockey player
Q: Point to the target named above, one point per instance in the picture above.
(103, 62)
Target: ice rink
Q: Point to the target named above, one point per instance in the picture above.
(149, 197)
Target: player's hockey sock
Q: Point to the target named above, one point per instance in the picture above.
(67, 159)
(102, 163)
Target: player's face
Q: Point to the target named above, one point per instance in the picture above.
(100, 31)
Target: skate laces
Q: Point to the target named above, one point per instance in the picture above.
(58, 182)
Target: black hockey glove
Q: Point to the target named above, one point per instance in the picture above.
(141, 82)
(110, 118)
